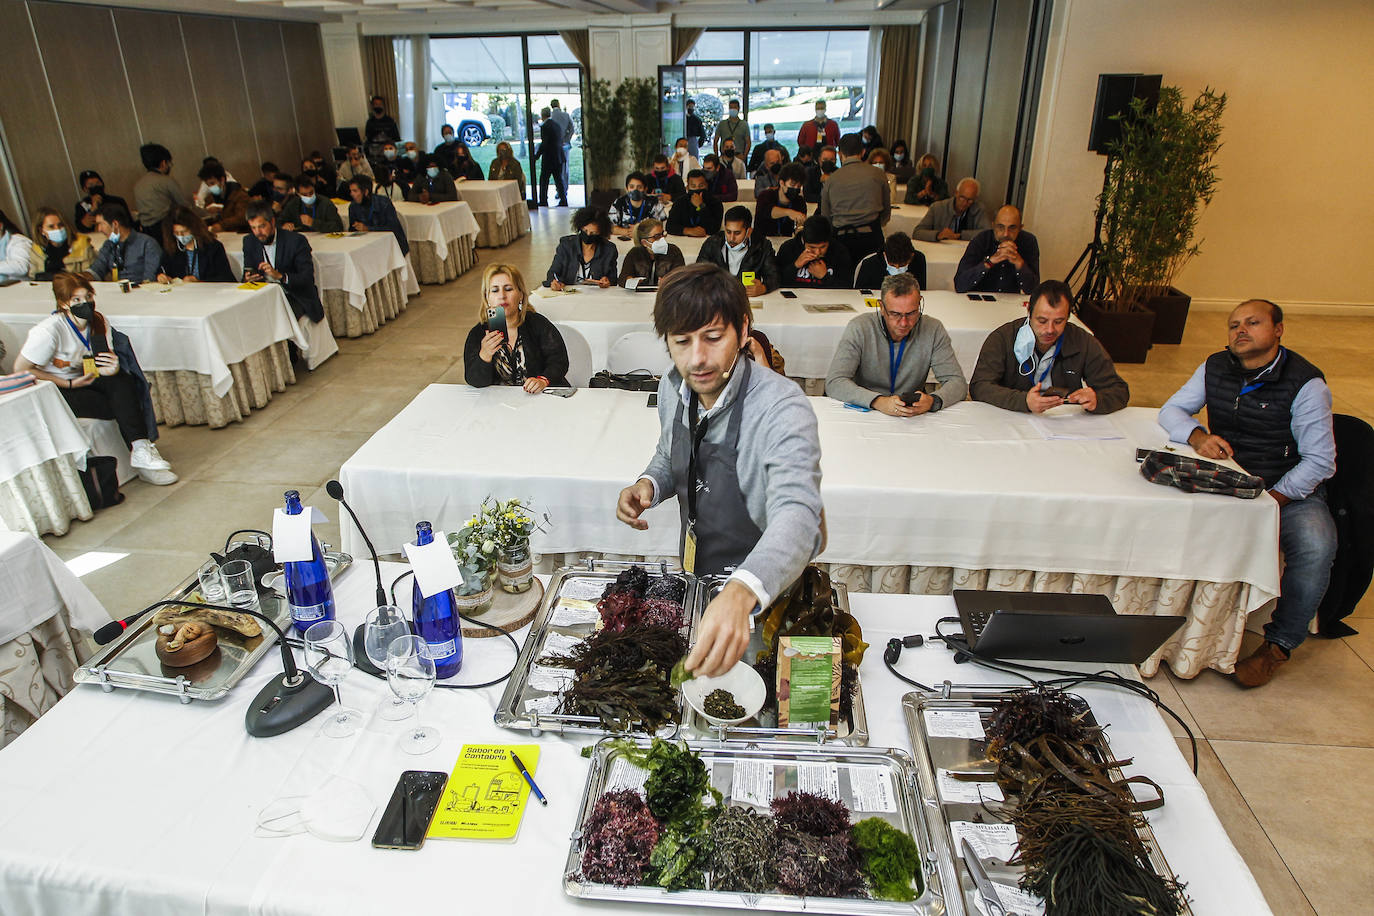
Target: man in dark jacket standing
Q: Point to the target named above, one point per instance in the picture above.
(744, 255)
(550, 156)
(1025, 358)
(272, 255)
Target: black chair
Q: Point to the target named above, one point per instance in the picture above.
(1350, 494)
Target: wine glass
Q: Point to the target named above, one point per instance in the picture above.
(384, 625)
(329, 655)
(410, 672)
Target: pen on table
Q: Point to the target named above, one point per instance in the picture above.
(515, 759)
(858, 407)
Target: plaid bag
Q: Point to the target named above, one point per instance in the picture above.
(1197, 475)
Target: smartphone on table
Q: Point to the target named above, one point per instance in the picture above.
(413, 802)
(788, 294)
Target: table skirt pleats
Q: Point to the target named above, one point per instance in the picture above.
(186, 397)
(36, 671)
(45, 498)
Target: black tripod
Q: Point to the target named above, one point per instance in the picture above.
(1094, 282)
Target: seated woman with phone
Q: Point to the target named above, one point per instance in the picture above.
(512, 344)
(94, 367)
(588, 256)
(653, 256)
(191, 253)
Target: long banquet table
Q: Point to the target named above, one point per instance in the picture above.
(43, 448)
(443, 239)
(499, 209)
(212, 352)
(172, 830)
(970, 497)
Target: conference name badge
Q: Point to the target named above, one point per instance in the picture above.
(689, 550)
(747, 278)
(88, 366)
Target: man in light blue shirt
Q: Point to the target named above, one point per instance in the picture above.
(1270, 409)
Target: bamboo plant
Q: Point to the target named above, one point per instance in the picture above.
(604, 139)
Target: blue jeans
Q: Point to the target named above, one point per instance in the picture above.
(1307, 537)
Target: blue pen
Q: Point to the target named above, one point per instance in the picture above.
(515, 759)
(859, 408)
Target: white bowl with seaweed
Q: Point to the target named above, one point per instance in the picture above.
(744, 685)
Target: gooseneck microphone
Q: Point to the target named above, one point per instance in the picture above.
(360, 658)
(110, 631)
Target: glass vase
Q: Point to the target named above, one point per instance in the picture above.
(474, 596)
(515, 567)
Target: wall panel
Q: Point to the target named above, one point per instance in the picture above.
(1006, 64)
(163, 95)
(269, 92)
(222, 95)
(309, 89)
(31, 129)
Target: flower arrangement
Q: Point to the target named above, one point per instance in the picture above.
(476, 549)
(511, 519)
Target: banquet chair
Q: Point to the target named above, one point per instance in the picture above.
(579, 356)
(639, 350)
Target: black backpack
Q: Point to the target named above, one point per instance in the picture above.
(101, 481)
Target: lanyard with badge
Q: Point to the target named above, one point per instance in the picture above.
(88, 366)
(895, 363)
(1048, 362)
(698, 433)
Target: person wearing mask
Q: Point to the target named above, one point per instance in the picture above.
(262, 188)
(394, 164)
(57, 248)
(663, 183)
(719, 179)
(312, 171)
(389, 186)
(812, 259)
(954, 218)
(1270, 410)
(747, 257)
(283, 190)
(16, 250)
(565, 131)
(410, 168)
(380, 126)
(202, 196)
(588, 256)
(820, 131)
(273, 255)
(733, 133)
(1003, 259)
(127, 253)
(355, 164)
(549, 153)
(505, 167)
(444, 151)
(878, 157)
(371, 212)
(529, 352)
(696, 213)
(636, 203)
(857, 200)
(898, 256)
(433, 184)
(871, 140)
(779, 211)
(55, 351)
(925, 186)
(826, 164)
(465, 168)
(770, 141)
(191, 253)
(83, 217)
(324, 168)
(684, 160)
(696, 134)
(883, 359)
(310, 211)
(901, 168)
(732, 162)
(229, 201)
(1026, 356)
(738, 446)
(766, 178)
(653, 257)
(156, 194)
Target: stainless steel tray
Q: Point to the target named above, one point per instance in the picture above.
(131, 662)
(788, 760)
(969, 755)
(764, 726)
(521, 703)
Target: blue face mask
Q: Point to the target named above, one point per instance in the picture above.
(185, 240)
(1025, 343)
(57, 236)
(217, 190)
(114, 237)
(308, 201)
(389, 153)
(450, 138)
(432, 173)
(893, 271)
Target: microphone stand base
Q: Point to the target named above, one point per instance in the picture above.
(279, 707)
(360, 658)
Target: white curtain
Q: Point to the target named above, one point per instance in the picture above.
(403, 47)
(875, 60)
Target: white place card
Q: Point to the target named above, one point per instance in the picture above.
(434, 565)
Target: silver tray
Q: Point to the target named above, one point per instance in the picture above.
(786, 758)
(516, 709)
(131, 662)
(969, 755)
(707, 589)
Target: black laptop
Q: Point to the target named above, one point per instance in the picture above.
(1058, 627)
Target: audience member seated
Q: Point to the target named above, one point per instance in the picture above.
(747, 257)
(55, 350)
(588, 256)
(770, 141)
(433, 185)
(766, 176)
(719, 179)
(505, 167)
(354, 165)
(272, 255)
(898, 256)
(779, 211)
(954, 218)
(925, 186)
(56, 247)
(445, 150)
(818, 132)
(819, 172)
(1270, 410)
(283, 190)
(857, 200)
(202, 195)
(409, 163)
(683, 160)
(309, 210)
(229, 200)
(871, 140)
(86, 207)
(156, 194)
(400, 168)
(324, 168)
(16, 249)
(262, 188)
(1003, 259)
(312, 171)
(696, 213)
(663, 183)
(465, 168)
(883, 359)
(390, 186)
(731, 161)
(529, 352)
(191, 253)
(653, 257)
(1026, 356)
(901, 167)
(812, 259)
(127, 253)
(636, 204)
(371, 212)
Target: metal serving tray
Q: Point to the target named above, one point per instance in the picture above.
(764, 726)
(969, 755)
(131, 662)
(526, 705)
(890, 784)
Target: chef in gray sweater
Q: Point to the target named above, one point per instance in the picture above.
(739, 449)
(884, 357)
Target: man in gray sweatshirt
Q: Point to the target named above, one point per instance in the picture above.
(739, 448)
(884, 358)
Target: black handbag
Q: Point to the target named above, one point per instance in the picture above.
(101, 482)
(638, 380)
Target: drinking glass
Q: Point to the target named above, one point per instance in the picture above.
(329, 655)
(212, 584)
(410, 672)
(241, 584)
(384, 625)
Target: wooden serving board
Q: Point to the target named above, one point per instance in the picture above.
(509, 611)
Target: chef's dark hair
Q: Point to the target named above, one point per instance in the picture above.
(692, 297)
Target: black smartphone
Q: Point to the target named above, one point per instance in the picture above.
(99, 342)
(988, 297)
(496, 319)
(653, 399)
(912, 399)
(865, 292)
(974, 296)
(788, 294)
(413, 802)
(1054, 391)
(1141, 454)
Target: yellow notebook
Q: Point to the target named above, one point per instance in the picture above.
(253, 285)
(486, 796)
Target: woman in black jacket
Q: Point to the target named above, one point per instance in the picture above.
(529, 352)
(587, 257)
(464, 168)
(190, 252)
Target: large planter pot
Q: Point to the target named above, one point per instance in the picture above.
(1171, 315)
(1124, 335)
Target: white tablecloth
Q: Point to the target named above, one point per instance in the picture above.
(36, 425)
(807, 339)
(351, 263)
(438, 223)
(201, 327)
(490, 196)
(35, 585)
(177, 837)
(905, 217)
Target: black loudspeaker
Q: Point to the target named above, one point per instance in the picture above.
(1114, 94)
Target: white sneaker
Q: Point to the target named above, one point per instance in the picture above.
(143, 456)
(158, 478)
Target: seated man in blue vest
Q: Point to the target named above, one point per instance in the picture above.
(1270, 409)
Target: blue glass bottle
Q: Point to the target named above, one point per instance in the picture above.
(436, 619)
(308, 591)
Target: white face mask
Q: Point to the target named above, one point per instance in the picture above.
(740, 247)
(893, 271)
(308, 201)
(659, 246)
(899, 156)
(1025, 343)
(338, 811)
(820, 114)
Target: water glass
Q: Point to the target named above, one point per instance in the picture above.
(329, 655)
(212, 584)
(241, 584)
(410, 673)
(384, 625)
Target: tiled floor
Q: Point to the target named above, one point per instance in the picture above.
(1286, 766)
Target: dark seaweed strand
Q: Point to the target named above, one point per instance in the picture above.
(1085, 872)
(742, 858)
